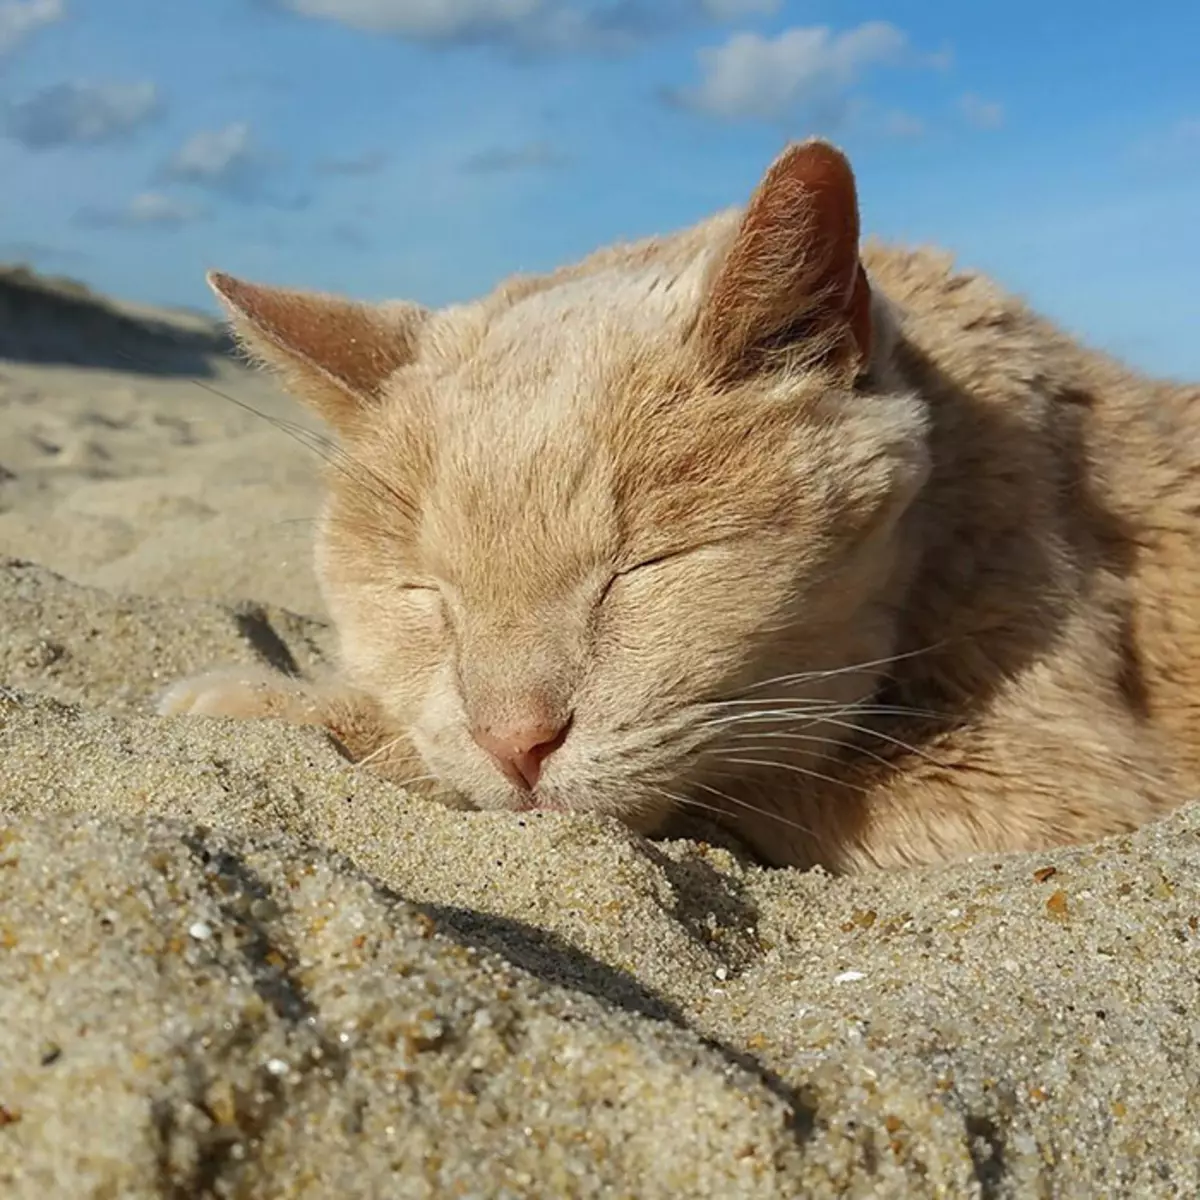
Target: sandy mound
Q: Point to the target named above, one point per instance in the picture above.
(194, 1014)
(231, 964)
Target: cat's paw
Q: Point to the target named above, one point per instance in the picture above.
(245, 693)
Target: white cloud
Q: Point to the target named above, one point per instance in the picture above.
(1178, 143)
(903, 125)
(756, 77)
(1184, 134)
(1188, 130)
(19, 19)
(426, 20)
(527, 25)
(213, 155)
(507, 160)
(983, 114)
(73, 113)
(148, 210)
(563, 26)
(369, 162)
(228, 161)
(731, 10)
(349, 236)
(156, 208)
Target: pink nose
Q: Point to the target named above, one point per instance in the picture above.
(520, 750)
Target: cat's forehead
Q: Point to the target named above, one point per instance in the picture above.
(644, 298)
(550, 364)
(588, 314)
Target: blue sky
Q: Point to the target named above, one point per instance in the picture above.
(426, 148)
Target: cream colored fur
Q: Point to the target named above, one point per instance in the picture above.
(923, 573)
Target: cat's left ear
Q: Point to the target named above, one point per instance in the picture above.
(792, 275)
(332, 353)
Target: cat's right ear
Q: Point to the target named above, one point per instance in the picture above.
(791, 280)
(332, 353)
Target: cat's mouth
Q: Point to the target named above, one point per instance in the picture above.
(600, 781)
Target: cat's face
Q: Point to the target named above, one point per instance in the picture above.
(582, 529)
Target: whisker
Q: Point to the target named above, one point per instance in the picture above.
(811, 676)
(804, 702)
(813, 715)
(380, 750)
(867, 731)
(813, 738)
(324, 447)
(406, 783)
(692, 802)
(793, 767)
(899, 710)
(760, 811)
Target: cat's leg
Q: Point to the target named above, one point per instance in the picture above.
(258, 693)
(243, 692)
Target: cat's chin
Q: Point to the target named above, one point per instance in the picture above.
(483, 788)
(535, 803)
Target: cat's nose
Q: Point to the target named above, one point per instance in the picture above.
(520, 750)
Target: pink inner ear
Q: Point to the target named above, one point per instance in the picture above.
(795, 258)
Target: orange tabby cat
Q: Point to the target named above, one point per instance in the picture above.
(856, 552)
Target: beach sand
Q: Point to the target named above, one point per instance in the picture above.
(232, 964)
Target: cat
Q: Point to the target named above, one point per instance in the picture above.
(832, 541)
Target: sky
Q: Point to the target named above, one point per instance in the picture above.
(425, 149)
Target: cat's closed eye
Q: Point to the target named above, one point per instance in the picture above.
(424, 596)
(645, 564)
(653, 561)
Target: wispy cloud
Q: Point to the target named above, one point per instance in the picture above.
(735, 10)
(423, 20)
(1187, 131)
(148, 210)
(903, 125)
(983, 114)
(531, 26)
(213, 157)
(228, 161)
(370, 162)
(20, 19)
(349, 236)
(1178, 143)
(504, 160)
(77, 113)
(752, 77)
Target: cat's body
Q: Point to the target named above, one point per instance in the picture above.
(884, 573)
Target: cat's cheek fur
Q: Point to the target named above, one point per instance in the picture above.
(391, 641)
(860, 463)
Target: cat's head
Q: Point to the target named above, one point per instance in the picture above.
(579, 529)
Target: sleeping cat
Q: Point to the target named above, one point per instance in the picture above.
(845, 547)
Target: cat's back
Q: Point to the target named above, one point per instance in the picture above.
(1104, 457)
(1140, 435)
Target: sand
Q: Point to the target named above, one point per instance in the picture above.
(231, 964)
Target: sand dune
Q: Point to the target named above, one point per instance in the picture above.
(231, 964)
